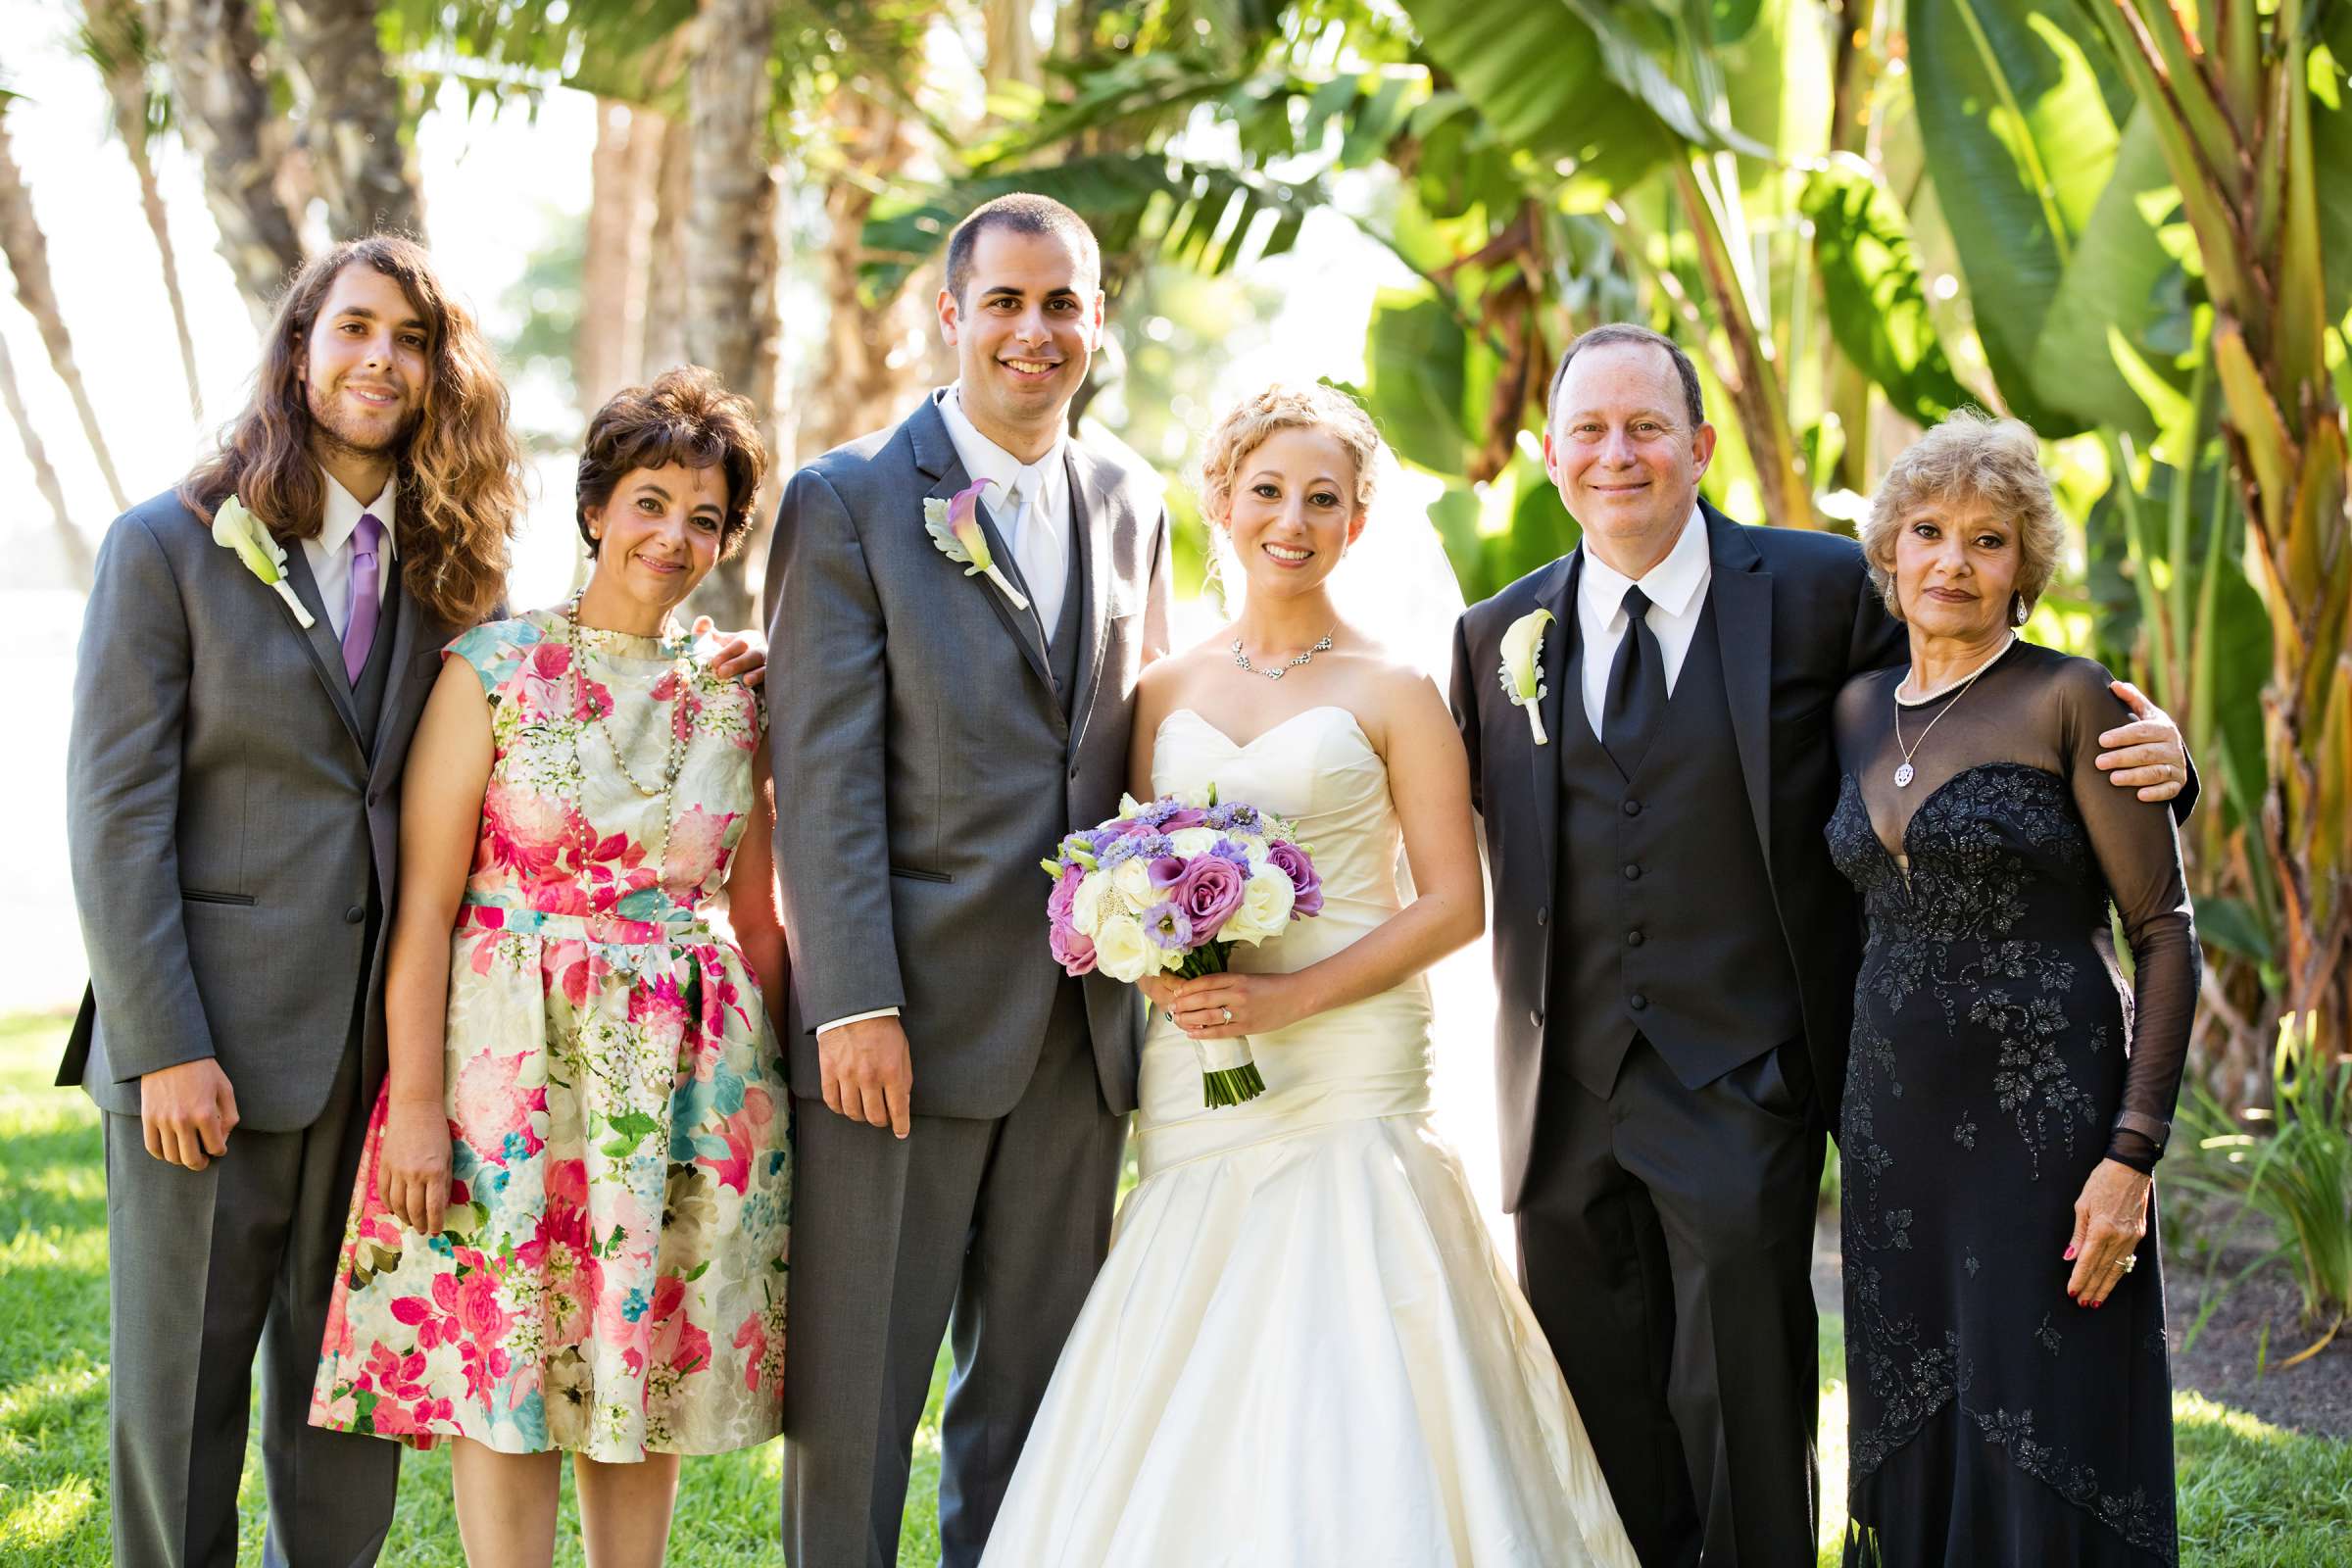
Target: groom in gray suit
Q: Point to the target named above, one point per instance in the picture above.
(962, 1103)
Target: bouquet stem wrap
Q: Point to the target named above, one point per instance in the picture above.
(1229, 1075)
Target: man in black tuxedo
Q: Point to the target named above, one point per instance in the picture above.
(1673, 952)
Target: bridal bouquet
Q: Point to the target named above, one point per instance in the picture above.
(1175, 885)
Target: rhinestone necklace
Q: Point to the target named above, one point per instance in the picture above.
(1279, 670)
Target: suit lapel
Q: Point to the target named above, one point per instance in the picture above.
(405, 696)
(319, 641)
(1544, 769)
(1741, 590)
(935, 456)
(1090, 511)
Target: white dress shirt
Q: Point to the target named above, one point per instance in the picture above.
(1029, 503)
(1677, 587)
(330, 553)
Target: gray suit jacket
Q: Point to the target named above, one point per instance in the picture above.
(223, 814)
(924, 766)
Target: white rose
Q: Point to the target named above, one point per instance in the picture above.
(1265, 907)
(1120, 948)
(1200, 797)
(1133, 879)
(1193, 840)
(1086, 907)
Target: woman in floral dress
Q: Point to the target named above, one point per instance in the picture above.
(570, 1228)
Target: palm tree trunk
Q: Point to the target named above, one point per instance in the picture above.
(120, 45)
(212, 50)
(610, 334)
(28, 253)
(731, 258)
(353, 118)
(874, 354)
(76, 547)
(666, 258)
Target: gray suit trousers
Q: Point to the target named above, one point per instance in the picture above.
(997, 1224)
(204, 1267)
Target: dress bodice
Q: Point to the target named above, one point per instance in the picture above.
(1366, 1059)
(565, 830)
(1316, 769)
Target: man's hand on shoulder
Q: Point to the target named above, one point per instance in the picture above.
(186, 1112)
(742, 656)
(869, 1073)
(2149, 753)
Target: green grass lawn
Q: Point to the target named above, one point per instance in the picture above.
(2251, 1495)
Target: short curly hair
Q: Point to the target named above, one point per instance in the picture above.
(1971, 456)
(686, 418)
(1246, 426)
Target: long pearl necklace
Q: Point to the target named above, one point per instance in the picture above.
(586, 716)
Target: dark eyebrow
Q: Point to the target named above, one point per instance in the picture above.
(647, 486)
(367, 315)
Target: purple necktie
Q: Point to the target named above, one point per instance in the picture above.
(359, 625)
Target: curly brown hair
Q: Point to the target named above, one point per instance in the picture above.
(686, 418)
(460, 473)
(1244, 427)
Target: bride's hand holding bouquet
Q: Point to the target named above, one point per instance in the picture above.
(1161, 894)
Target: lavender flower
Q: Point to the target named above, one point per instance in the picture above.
(1168, 927)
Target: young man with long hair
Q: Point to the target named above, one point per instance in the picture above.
(258, 645)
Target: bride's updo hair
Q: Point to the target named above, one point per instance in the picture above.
(1281, 407)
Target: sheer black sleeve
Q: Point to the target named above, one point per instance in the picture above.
(2138, 851)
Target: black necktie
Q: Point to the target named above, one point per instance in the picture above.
(1635, 702)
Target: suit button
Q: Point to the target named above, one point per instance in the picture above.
(1542, 915)
(1535, 1015)
(354, 915)
(1632, 872)
(1073, 772)
(1637, 1002)
(1633, 808)
(1633, 938)
(375, 797)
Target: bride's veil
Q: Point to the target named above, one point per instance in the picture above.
(1396, 585)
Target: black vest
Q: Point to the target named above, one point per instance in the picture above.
(1667, 925)
(1062, 638)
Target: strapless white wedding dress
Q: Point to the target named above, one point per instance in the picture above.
(1303, 1351)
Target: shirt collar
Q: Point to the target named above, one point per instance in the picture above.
(342, 514)
(1672, 584)
(983, 459)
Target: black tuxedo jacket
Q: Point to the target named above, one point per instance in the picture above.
(1797, 616)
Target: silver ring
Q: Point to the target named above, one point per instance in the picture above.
(1227, 1012)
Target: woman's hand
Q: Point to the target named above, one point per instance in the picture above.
(414, 1164)
(1226, 1007)
(2110, 1218)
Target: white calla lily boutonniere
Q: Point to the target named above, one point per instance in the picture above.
(954, 526)
(235, 529)
(1523, 669)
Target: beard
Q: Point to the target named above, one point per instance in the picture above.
(336, 432)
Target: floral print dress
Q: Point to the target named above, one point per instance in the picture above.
(611, 1276)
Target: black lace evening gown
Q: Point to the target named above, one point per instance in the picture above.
(1994, 1065)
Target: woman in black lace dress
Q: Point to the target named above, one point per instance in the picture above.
(2008, 1395)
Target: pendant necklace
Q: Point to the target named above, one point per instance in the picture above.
(1279, 670)
(1903, 775)
(682, 729)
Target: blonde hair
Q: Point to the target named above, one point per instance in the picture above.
(1971, 456)
(1246, 426)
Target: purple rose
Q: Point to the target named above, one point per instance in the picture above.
(1184, 817)
(1074, 952)
(1294, 864)
(1209, 891)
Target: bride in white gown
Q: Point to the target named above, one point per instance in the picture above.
(1303, 1349)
